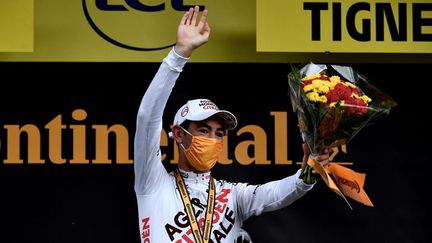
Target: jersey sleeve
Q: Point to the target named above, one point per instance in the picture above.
(148, 167)
(257, 199)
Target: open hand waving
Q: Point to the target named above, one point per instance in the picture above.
(190, 34)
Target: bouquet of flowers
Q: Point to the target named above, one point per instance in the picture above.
(333, 103)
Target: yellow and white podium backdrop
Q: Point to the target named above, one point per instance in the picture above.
(242, 31)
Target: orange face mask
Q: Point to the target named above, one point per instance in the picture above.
(203, 152)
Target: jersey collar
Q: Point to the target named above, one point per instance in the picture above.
(192, 176)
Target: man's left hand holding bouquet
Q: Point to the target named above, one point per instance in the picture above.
(322, 159)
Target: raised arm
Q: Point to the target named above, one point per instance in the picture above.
(149, 170)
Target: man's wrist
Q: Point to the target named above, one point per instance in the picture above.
(183, 51)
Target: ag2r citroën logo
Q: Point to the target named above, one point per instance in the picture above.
(118, 37)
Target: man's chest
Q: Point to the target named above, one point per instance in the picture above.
(225, 224)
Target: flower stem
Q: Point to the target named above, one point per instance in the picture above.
(307, 175)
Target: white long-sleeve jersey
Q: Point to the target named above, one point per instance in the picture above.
(162, 217)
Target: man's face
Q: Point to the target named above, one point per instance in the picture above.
(210, 128)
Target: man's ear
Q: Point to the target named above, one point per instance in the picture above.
(177, 133)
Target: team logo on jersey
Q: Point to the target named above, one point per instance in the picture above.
(223, 220)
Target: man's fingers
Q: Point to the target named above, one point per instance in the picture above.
(325, 163)
(195, 15)
(184, 18)
(305, 148)
(188, 16)
(205, 32)
(203, 21)
(322, 157)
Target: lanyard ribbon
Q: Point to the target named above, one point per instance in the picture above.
(190, 212)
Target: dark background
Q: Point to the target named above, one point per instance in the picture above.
(96, 203)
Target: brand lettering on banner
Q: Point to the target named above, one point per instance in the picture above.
(56, 134)
(346, 26)
(61, 143)
(125, 11)
(385, 17)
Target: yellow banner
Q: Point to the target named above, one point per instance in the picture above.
(345, 26)
(144, 30)
(16, 26)
(138, 31)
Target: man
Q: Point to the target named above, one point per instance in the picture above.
(189, 205)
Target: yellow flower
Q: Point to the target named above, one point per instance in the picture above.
(355, 96)
(335, 79)
(365, 98)
(324, 89)
(315, 97)
(318, 85)
(349, 84)
(308, 88)
(310, 77)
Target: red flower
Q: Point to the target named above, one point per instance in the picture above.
(307, 82)
(355, 106)
(356, 91)
(325, 78)
(339, 92)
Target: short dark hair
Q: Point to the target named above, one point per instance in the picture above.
(185, 124)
